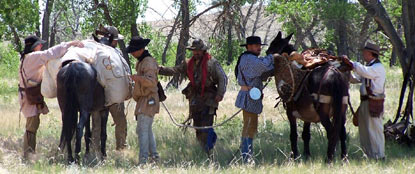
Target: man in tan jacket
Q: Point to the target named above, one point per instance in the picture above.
(146, 96)
(32, 61)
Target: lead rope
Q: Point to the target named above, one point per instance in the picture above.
(197, 127)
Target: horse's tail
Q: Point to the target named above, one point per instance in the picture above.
(71, 105)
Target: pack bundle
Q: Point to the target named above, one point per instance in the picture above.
(113, 71)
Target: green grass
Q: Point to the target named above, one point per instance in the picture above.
(180, 153)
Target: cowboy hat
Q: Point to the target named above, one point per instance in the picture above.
(198, 44)
(137, 43)
(372, 48)
(252, 40)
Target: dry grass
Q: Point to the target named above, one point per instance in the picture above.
(181, 154)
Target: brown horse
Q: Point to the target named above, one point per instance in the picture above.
(322, 94)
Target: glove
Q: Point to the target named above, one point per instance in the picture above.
(347, 61)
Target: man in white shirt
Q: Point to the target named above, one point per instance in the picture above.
(372, 96)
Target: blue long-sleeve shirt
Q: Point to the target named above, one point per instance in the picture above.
(252, 67)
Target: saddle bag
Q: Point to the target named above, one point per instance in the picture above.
(34, 95)
(376, 107)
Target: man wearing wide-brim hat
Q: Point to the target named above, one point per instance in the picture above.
(248, 71)
(33, 59)
(145, 94)
(206, 89)
(372, 97)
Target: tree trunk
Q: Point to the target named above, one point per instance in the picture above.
(45, 23)
(258, 14)
(134, 30)
(364, 34)
(230, 45)
(375, 8)
(16, 40)
(271, 22)
(184, 37)
(168, 40)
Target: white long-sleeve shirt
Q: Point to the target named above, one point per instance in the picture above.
(376, 73)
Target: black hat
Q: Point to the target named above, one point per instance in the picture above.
(137, 43)
(252, 40)
(32, 42)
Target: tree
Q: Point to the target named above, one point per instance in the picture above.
(18, 19)
(405, 52)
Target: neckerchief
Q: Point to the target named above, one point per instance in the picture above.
(144, 55)
(239, 60)
(190, 71)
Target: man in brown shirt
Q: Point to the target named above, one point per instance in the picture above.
(146, 96)
(206, 89)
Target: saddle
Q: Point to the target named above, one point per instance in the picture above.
(313, 57)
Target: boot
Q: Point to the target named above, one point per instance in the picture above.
(246, 149)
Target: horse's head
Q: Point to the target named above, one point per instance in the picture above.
(281, 45)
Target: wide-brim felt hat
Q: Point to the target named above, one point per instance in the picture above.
(198, 44)
(372, 48)
(137, 43)
(33, 41)
(252, 40)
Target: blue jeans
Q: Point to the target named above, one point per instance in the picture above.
(146, 138)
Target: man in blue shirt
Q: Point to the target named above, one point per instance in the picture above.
(248, 71)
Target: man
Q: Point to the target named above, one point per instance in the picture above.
(116, 110)
(147, 98)
(248, 71)
(30, 76)
(372, 95)
(206, 89)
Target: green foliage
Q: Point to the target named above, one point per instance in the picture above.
(220, 52)
(20, 16)
(9, 61)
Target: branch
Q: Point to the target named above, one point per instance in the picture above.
(203, 12)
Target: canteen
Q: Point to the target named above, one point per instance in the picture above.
(255, 93)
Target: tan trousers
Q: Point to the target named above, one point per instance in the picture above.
(29, 138)
(250, 124)
(371, 134)
(120, 121)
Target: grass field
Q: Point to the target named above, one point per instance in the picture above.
(180, 153)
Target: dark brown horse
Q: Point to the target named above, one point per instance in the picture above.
(78, 90)
(320, 95)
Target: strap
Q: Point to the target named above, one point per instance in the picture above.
(22, 72)
(368, 82)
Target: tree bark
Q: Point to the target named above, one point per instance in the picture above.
(168, 40)
(258, 14)
(375, 8)
(342, 37)
(18, 45)
(363, 35)
(45, 23)
(184, 37)
(230, 45)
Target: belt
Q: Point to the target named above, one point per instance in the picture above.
(245, 88)
(364, 97)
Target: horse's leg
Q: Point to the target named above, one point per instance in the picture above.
(332, 135)
(104, 119)
(83, 117)
(88, 134)
(343, 135)
(306, 138)
(293, 132)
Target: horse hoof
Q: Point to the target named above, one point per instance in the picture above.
(345, 160)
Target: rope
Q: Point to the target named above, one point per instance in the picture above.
(196, 127)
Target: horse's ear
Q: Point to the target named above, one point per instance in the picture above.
(288, 38)
(279, 36)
